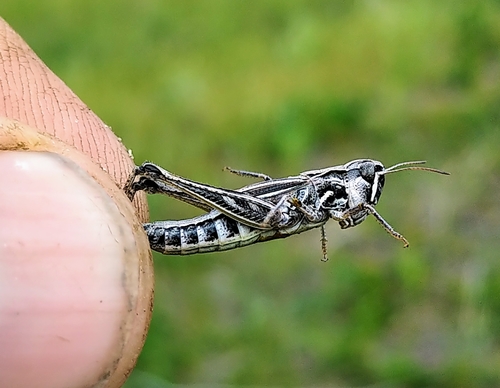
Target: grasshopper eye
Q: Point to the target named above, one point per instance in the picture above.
(367, 171)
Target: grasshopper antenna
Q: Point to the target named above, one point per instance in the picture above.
(411, 166)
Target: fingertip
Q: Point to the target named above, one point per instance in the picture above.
(75, 274)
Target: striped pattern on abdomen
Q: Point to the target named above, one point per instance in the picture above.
(207, 233)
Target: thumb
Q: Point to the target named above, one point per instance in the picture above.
(75, 268)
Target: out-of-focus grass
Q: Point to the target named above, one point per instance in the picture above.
(285, 86)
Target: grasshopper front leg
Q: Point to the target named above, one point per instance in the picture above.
(388, 228)
(345, 221)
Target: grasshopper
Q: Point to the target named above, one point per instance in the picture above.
(266, 210)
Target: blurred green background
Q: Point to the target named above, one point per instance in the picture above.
(285, 86)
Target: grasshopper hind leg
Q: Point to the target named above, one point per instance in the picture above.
(141, 180)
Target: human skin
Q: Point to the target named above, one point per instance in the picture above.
(76, 277)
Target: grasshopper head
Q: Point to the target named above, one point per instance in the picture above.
(364, 180)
